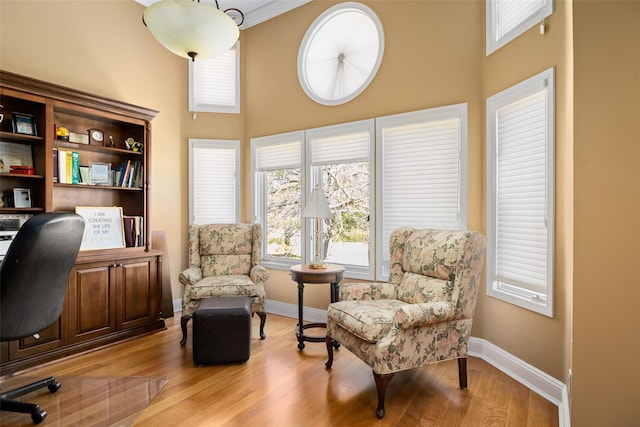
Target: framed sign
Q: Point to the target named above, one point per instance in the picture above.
(103, 227)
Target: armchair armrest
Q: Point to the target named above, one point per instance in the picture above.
(259, 274)
(360, 291)
(190, 276)
(413, 315)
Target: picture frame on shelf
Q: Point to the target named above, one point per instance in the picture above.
(99, 173)
(24, 124)
(85, 175)
(22, 198)
(12, 154)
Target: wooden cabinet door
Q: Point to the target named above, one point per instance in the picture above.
(138, 292)
(92, 300)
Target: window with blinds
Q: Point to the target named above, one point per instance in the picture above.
(520, 191)
(421, 175)
(339, 163)
(507, 19)
(277, 187)
(214, 181)
(214, 84)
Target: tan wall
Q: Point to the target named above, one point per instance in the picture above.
(606, 339)
(419, 70)
(102, 47)
(536, 338)
(434, 56)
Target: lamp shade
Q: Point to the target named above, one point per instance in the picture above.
(191, 29)
(317, 207)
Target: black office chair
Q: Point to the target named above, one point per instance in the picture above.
(34, 277)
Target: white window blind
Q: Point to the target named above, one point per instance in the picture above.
(520, 204)
(214, 83)
(421, 172)
(521, 225)
(348, 147)
(214, 181)
(278, 155)
(507, 19)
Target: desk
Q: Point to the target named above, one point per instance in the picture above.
(302, 274)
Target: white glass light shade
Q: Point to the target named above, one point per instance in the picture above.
(317, 207)
(187, 27)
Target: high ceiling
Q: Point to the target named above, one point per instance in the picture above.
(255, 11)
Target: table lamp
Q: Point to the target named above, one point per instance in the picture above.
(317, 208)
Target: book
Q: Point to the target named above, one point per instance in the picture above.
(75, 167)
(133, 230)
(55, 164)
(62, 166)
(126, 173)
(129, 230)
(68, 167)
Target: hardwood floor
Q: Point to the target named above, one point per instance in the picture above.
(281, 386)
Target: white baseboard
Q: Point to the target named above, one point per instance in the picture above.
(280, 308)
(528, 375)
(177, 305)
(310, 314)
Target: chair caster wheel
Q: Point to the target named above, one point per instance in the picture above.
(54, 387)
(38, 415)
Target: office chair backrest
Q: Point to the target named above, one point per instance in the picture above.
(35, 273)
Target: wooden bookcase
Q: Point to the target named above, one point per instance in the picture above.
(113, 294)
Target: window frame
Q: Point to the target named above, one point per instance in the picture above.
(374, 270)
(258, 197)
(215, 107)
(540, 302)
(312, 176)
(494, 41)
(213, 144)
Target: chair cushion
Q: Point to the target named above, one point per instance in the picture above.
(416, 288)
(225, 265)
(430, 263)
(225, 249)
(219, 286)
(434, 253)
(369, 320)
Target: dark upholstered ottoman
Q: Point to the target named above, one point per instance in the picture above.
(222, 330)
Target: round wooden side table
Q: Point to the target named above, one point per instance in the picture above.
(302, 274)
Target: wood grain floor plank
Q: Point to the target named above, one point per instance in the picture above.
(280, 386)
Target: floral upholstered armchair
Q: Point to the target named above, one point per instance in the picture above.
(422, 315)
(224, 261)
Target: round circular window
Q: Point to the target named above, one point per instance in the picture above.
(340, 53)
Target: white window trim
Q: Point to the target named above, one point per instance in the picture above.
(213, 144)
(258, 200)
(310, 180)
(542, 303)
(216, 108)
(495, 42)
(457, 111)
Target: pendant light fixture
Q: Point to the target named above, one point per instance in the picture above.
(191, 28)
